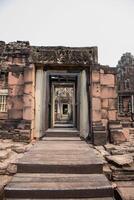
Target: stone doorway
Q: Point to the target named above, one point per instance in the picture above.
(63, 101)
(63, 104)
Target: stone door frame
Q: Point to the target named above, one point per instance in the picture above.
(41, 100)
(66, 74)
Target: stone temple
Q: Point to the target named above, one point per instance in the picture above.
(63, 91)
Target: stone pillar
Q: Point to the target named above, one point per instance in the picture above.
(40, 99)
(84, 111)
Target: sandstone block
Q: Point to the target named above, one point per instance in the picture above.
(107, 79)
(96, 90)
(120, 160)
(15, 102)
(95, 76)
(27, 113)
(96, 104)
(28, 89)
(104, 121)
(104, 114)
(104, 103)
(15, 90)
(15, 114)
(112, 115)
(112, 104)
(27, 100)
(28, 75)
(117, 136)
(14, 79)
(108, 92)
(96, 116)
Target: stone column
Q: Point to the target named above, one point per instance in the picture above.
(84, 111)
(40, 99)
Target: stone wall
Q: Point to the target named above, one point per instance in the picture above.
(104, 98)
(14, 62)
(104, 95)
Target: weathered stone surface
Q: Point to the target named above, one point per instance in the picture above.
(96, 76)
(104, 114)
(107, 79)
(108, 92)
(126, 192)
(3, 154)
(112, 114)
(96, 90)
(120, 160)
(96, 115)
(104, 103)
(102, 151)
(19, 149)
(14, 79)
(96, 103)
(117, 136)
(11, 169)
(5, 146)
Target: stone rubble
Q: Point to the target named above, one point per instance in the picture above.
(10, 152)
(119, 166)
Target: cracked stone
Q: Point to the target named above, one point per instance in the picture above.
(120, 159)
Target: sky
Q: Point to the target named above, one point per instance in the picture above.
(107, 24)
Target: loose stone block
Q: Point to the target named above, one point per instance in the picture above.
(117, 136)
(120, 160)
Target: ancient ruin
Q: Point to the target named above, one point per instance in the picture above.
(65, 92)
(46, 88)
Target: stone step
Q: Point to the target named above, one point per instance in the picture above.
(114, 122)
(115, 126)
(59, 132)
(63, 186)
(99, 128)
(105, 198)
(48, 168)
(100, 137)
(52, 156)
